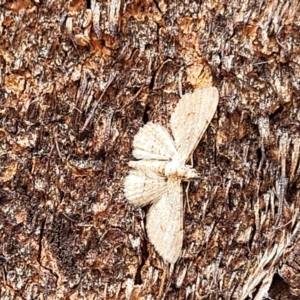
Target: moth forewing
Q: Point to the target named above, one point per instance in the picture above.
(165, 222)
(153, 142)
(191, 117)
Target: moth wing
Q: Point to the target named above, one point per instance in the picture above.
(191, 117)
(153, 142)
(165, 222)
(142, 188)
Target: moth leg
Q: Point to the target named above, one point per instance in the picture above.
(187, 197)
(187, 190)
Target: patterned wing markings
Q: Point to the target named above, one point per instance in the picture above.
(153, 142)
(144, 188)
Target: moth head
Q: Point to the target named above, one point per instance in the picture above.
(191, 173)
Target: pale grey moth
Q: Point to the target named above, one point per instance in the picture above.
(156, 176)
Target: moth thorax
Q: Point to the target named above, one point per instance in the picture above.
(178, 169)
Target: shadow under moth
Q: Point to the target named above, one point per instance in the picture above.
(156, 176)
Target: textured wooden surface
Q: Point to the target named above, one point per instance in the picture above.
(77, 81)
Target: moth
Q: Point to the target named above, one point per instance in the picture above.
(156, 176)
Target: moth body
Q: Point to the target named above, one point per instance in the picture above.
(178, 169)
(175, 168)
(155, 166)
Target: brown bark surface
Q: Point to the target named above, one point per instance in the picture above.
(79, 78)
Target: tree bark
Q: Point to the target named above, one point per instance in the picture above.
(77, 81)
